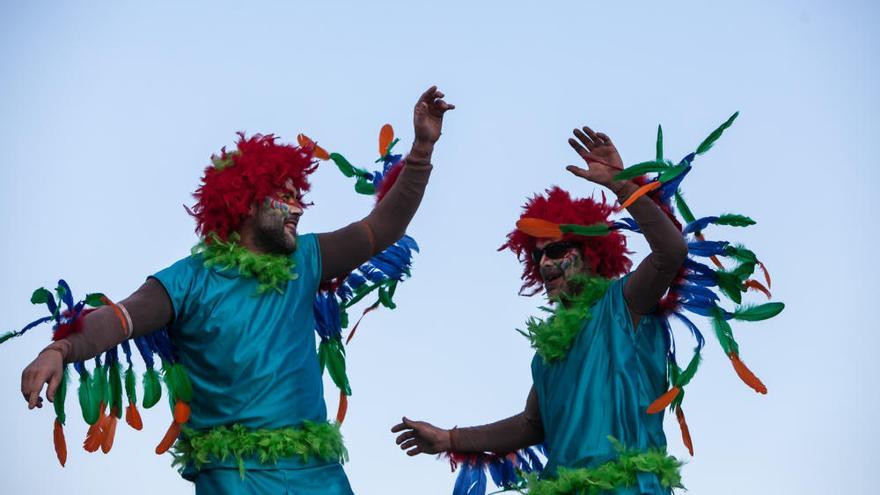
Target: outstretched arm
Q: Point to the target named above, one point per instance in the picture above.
(655, 273)
(508, 435)
(149, 308)
(345, 249)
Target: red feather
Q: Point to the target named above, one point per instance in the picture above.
(60, 443)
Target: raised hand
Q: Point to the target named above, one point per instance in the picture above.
(602, 159)
(421, 437)
(428, 115)
(46, 368)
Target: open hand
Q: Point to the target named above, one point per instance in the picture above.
(421, 437)
(46, 368)
(428, 115)
(602, 159)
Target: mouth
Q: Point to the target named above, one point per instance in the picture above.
(552, 280)
(290, 226)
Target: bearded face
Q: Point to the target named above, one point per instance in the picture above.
(275, 221)
(558, 262)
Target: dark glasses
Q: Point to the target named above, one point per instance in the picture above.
(552, 251)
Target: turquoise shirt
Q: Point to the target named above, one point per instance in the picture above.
(603, 387)
(251, 359)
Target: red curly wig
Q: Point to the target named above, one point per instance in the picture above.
(237, 179)
(606, 255)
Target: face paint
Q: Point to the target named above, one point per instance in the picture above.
(557, 272)
(276, 222)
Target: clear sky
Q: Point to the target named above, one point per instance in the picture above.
(109, 111)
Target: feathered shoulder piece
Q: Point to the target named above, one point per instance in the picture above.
(101, 387)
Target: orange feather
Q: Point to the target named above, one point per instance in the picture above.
(536, 227)
(133, 417)
(169, 438)
(663, 401)
(60, 443)
(386, 135)
(685, 432)
(766, 274)
(95, 434)
(181, 412)
(319, 152)
(746, 375)
(343, 407)
(754, 284)
(640, 192)
(109, 433)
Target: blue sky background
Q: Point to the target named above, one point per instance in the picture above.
(110, 110)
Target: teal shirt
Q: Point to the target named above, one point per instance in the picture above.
(603, 387)
(251, 359)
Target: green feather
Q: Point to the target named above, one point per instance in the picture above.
(130, 386)
(272, 271)
(671, 173)
(730, 285)
(685, 377)
(182, 385)
(744, 271)
(60, 396)
(41, 296)
(336, 365)
(724, 332)
(709, 141)
(683, 208)
(734, 220)
(346, 168)
(640, 169)
(758, 313)
(364, 186)
(385, 298)
(87, 404)
(741, 254)
(95, 299)
(152, 388)
(659, 143)
(115, 382)
(322, 354)
(8, 335)
(597, 229)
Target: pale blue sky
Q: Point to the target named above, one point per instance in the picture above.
(110, 110)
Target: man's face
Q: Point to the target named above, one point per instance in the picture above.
(558, 262)
(276, 219)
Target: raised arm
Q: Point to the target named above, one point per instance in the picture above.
(502, 437)
(655, 273)
(149, 308)
(345, 249)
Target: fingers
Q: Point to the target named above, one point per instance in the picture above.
(31, 385)
(54, 380)
(592, 135)
(412, 442)
(428, 95)
(406, 436)
(579, 149)
(580, 172)
(398, 427)
(414, 452)
(605, 139)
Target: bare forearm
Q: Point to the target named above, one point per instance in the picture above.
(655, 273)
(149, 308)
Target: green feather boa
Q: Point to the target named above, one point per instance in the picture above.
(311, 440)
(612, 475)
(554, 336)
(272, 271)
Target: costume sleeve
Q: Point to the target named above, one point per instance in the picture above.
(508, 435)
(345, 249)
(647, 284)
(149, 307)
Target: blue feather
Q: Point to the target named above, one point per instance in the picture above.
(66, 294)
(371, 273)
(668, 189)
(698, 336)
(700, 308)
(33, 324)
(626, 224)
(495, 467)
(354, 281)
(696, 293)
(326, 311)
(537, 465)
(707, 248)
(80, 367)
(126, 349)
(145, 350)
(699, 225)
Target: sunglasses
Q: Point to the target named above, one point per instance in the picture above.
(552, 251)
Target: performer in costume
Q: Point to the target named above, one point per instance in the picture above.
(606, 355)
(238, 357)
